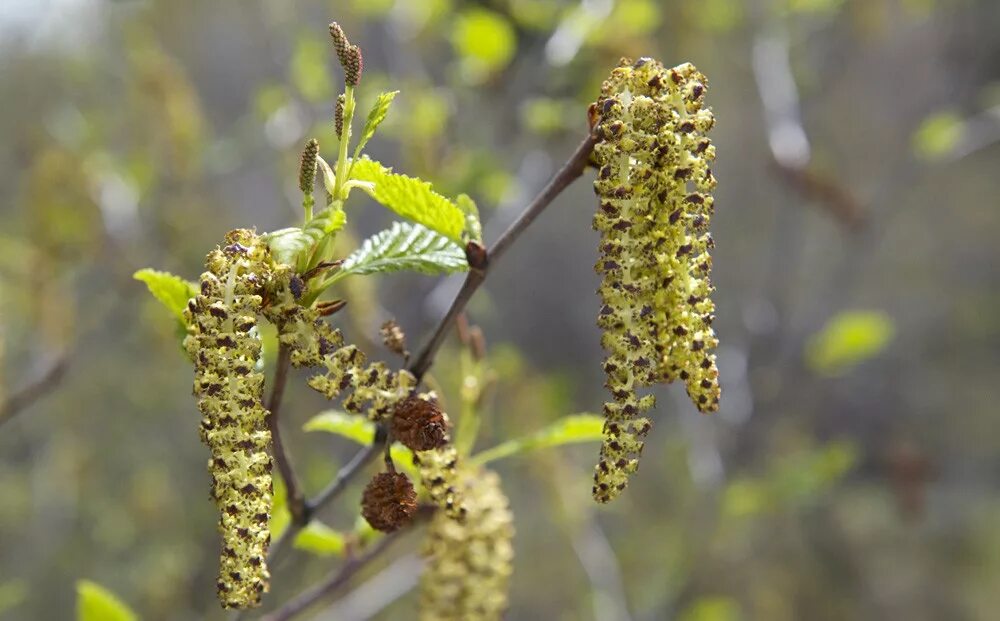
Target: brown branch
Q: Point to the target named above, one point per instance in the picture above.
(37, 389)
(572, 169)
(333, 582)
(296, 500)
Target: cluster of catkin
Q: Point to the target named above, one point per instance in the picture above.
(654, 184)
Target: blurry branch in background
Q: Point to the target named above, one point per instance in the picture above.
(377, 594)
(786, 135)
(45, 382)
(978, 133)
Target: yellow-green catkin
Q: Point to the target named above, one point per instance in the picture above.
(439, 474)
(468, 568)
(654, 184)
(228, 385)
(371, 389)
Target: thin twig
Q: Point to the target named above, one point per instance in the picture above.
(333, 582)
(296, 500)
(360, 460)
(27, 395)
(572, 169)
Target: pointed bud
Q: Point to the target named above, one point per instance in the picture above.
(307, 166)
(389, 501)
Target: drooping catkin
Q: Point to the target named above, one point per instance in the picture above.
(468, 567)
(228, 386)
(439, 474)
(654, 185)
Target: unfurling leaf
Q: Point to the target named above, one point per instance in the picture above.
(411, 198)
(171, 291)
(95, 603)
(375, 118)
(406, 246)
(567, 430)
(320, 539)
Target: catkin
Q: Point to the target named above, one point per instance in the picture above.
(228, 385)
(468, 569)
(654, 185)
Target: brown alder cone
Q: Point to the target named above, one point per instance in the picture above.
(420, 424)
(389, 501)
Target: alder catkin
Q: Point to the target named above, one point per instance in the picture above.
(469, 563)
(228, 385)
(654, 185)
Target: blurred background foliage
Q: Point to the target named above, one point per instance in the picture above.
(852, 471)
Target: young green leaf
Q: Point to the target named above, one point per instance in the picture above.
(171, 291)
(473, 228)
(349, 426)
(567, 430)
(95, 603)
(320, 539)
(411, 198)
(290, 245)
(375, 118)
(406, 246)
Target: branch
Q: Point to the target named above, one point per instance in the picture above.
(27, 395)
(572, 169)
(333, 582)
(296, 500)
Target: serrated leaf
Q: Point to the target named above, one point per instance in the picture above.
(95, 603)
(406, 246)
(567, 430)
(320, 539)
(170, 290)
(375, 117)
(411, 198)
(352, 427)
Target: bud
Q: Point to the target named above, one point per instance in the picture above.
(340, 43)
(389, 501)
(307, 166)
(338, 116)
(354, 67)
(394, 338)
(420, 424)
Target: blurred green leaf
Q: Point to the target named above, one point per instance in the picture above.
(320, 539)
(411, 198)
(635, 17)
(715, 15)
(938, 135)
(309, 71)
(711, 608)
(372, 8)
(375, 117)
(350, 426)
(405, 246)
(12, 594)
(848, 339)
(95, 603)
(567, 430)
(170, 290)
(484, 40)
(814, 6)
(281, 517)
